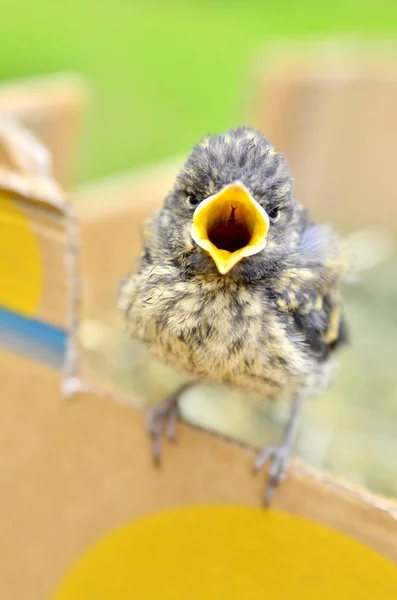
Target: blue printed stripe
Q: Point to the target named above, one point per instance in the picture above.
(33, 338)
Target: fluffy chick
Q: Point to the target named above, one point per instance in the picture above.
(272, 322)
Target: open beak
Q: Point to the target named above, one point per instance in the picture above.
(230, 225)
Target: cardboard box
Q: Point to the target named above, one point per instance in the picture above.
(329, 106)
(72, 470)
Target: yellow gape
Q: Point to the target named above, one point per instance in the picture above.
(230, 226)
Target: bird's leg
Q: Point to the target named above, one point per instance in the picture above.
(164, 415)
(279, 456)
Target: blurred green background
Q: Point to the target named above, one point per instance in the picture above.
(163, 73)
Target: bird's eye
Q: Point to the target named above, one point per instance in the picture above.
(274, 214)
(192, 201)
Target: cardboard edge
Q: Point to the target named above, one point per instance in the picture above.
(94, 384)
(56, 81)
(86, 197)
(36, 184)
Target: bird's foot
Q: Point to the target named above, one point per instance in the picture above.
(164, 417)
(279, 457)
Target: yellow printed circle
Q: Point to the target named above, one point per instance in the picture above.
(20, 262)
(228, 552)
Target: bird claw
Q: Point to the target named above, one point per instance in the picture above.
(279, 457)
(164, 416)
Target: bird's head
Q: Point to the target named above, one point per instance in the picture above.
(231, 210)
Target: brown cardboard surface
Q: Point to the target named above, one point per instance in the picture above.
(330, 109)
(112, 212)
(72, 470)
(52, 109)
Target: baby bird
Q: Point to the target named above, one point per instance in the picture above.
(237, 285)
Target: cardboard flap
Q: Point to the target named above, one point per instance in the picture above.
(38, 299)
(51, 109)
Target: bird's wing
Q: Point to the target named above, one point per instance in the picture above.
(324, 330)
(309, 291)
